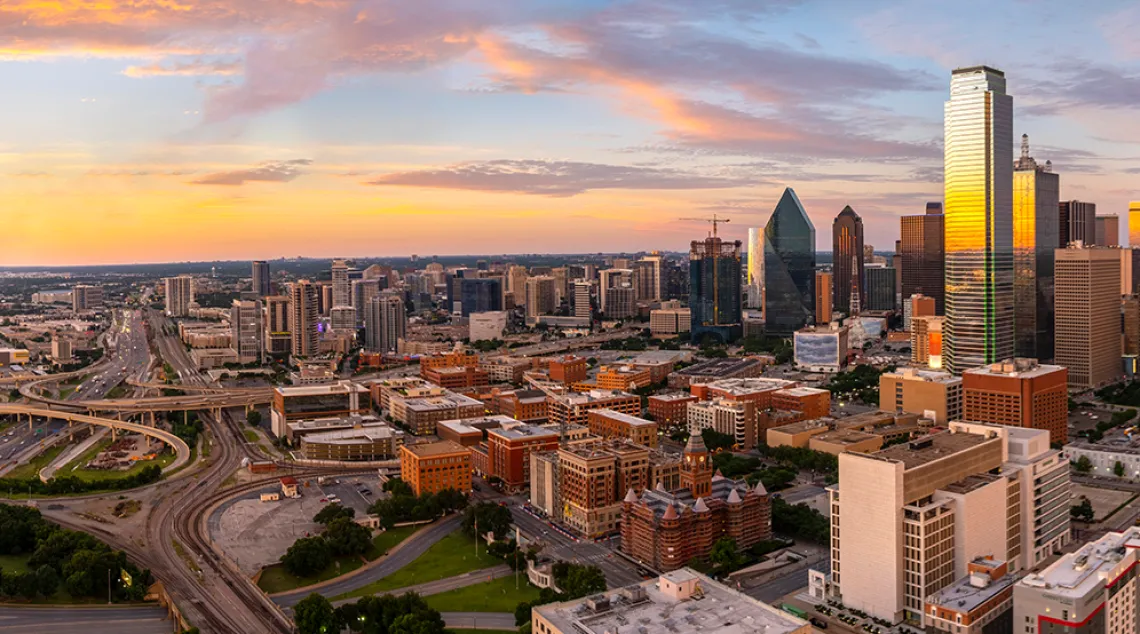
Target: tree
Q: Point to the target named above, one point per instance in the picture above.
(1118, 469)
(307, 556)
(332, 512)
(715, 440)
(1083, 464)
(1083, 511)
(396, 486)
(346, 537)
(418, 623)
(489, 517)
(47, 580)
(723, 552)
(315, 615)
(522, 613)
(253, 418)
(577, 581)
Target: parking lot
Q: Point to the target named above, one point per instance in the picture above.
(1085, 419)
(1104, 501)
(356, 492)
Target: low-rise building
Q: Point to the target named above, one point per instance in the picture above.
(433, 467)
(734, 418)
(382, 390)
(487, 326)
(717, 369)
(821, 348)
(457, 378)
(298, 428)
(211, 358)
(574, 409)
(457, 358)
(421, 413)
(568, 370)
(672, 408)
(933, 394)
(509, 449)
(530, 406)
(979, 603)
(797, 434)
(812, 402)
(669, 321)
(506, 369)
(608, 423)
(622, 377)
(315, 401)
(355, 444)
(679, 601)
(1115, 456)
(840, 441)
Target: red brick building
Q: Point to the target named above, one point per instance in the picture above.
(667, 529)
(1019, 393)
(568, 370)
(812, 402)
(670, 409)
(456, 378)
(508, 452)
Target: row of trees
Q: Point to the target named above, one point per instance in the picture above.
(489, 518)
(63, 484)
(78, 561)
(389, 614)
(800, 520)
(342, 536)
(405, 506)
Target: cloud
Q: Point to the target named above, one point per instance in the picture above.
(192, 68)
(555, 178)
(268, 172)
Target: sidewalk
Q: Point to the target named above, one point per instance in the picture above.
(438, 586)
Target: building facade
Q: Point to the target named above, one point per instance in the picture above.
(1076, 222)
(1036, 197)
(261, 283)
(385, 323)
(434, 467)
(303, 318)
(715, 293)
(1019, 393)
(179, 295)
(1087, 327)
(789, 268)
(847, 257)
(922, 246)
(935, 395)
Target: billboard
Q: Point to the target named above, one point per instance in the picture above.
(817, 350)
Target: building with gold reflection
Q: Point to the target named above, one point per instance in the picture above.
(1134, 223)
(1036, 196)
(979, 326)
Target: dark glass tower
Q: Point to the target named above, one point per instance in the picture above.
(480, 295)
(880, 288)
(923, 251)
(789, 268)
(847, 255)
(715, 277)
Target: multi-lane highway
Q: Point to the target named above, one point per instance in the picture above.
(90, 620)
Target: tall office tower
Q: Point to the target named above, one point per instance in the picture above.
(1130, 318)
(480, 295)
(923, 249)
(261, 282)
(1108, 230)
(278, 334)
(304, 318)
(1036, 199)
(516, 283)
(324, 298)
(823, 292)
(621, 302)
(362, 292)
(789, 268)
(179, 295)
(539, 296)
(715, 295)
(622, 263)
(979, 219)
(385, 324)
(561, 284)
(647, 276)
(342, 319)
(85, 297)
(847, 267)
(341, 287)
(1076, 220)
(1134, 224)
(896, 264)
(1019, 393)
(755, 270)
(582, 308)
(246, 330)
(677, 279)
(881, 292)
(908, 520)
(1087, 323)
(612, 278)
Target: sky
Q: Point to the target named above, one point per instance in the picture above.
(176, 130)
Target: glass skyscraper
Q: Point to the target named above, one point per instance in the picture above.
(755, 267)
(789, 268)
(847, 255)
(922, 247)
(1036, 194)
(979, 323)
(715, 290)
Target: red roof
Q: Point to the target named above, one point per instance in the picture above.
(289, 481)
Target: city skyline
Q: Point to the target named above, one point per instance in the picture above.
(151, 134)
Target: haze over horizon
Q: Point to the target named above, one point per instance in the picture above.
(239, 129)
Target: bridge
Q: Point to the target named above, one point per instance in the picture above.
(214, 401)
(180, 447)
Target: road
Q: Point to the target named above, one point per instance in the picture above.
(619, 571)
(117, 620)
(412, 548)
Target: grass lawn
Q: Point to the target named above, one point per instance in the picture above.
(250, 435)
(31, 468)
(453, 555)
(86, 456)
(14, 563)
(388, 540)
(119, 391)
(100, 475)
(498, 595)
(276, 578)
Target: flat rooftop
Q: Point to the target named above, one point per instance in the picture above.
(962, 596)
(750, 386)
(801, 392)
(443, 447)
(351, 436)
(476, 425)
(719, 367)
(645, 609)
(658, 357)
(517, 432)
(800, 427)
(628, 419)
(443, 401)
(674, 396)
(971, 483)
(594, 396)
(312, 424)
(926, 376)
(340, 387)
(1077, 574)
(1015, 368)
(930, 448)
(844, 437)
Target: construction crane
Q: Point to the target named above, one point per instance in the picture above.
(715, 221)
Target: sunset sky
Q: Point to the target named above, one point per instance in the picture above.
(166, 130)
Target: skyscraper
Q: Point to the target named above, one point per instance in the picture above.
(880, 288)
(1076, 221)
(647, 278)
(582, 308)
(756, 267)
(1108, 230)
(341, 289)
(539, 296)
(303, 313)
(1036, 191)
(979, 219)
(385, 323)
(179, 295)
(923, 250)
(246, 330)
(1134, 223)
(847, 255)
(823, 293)
(261, 284)
(789, 268)
(1087, 332)
(480, 295)
(714, 289)
(278, 334)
